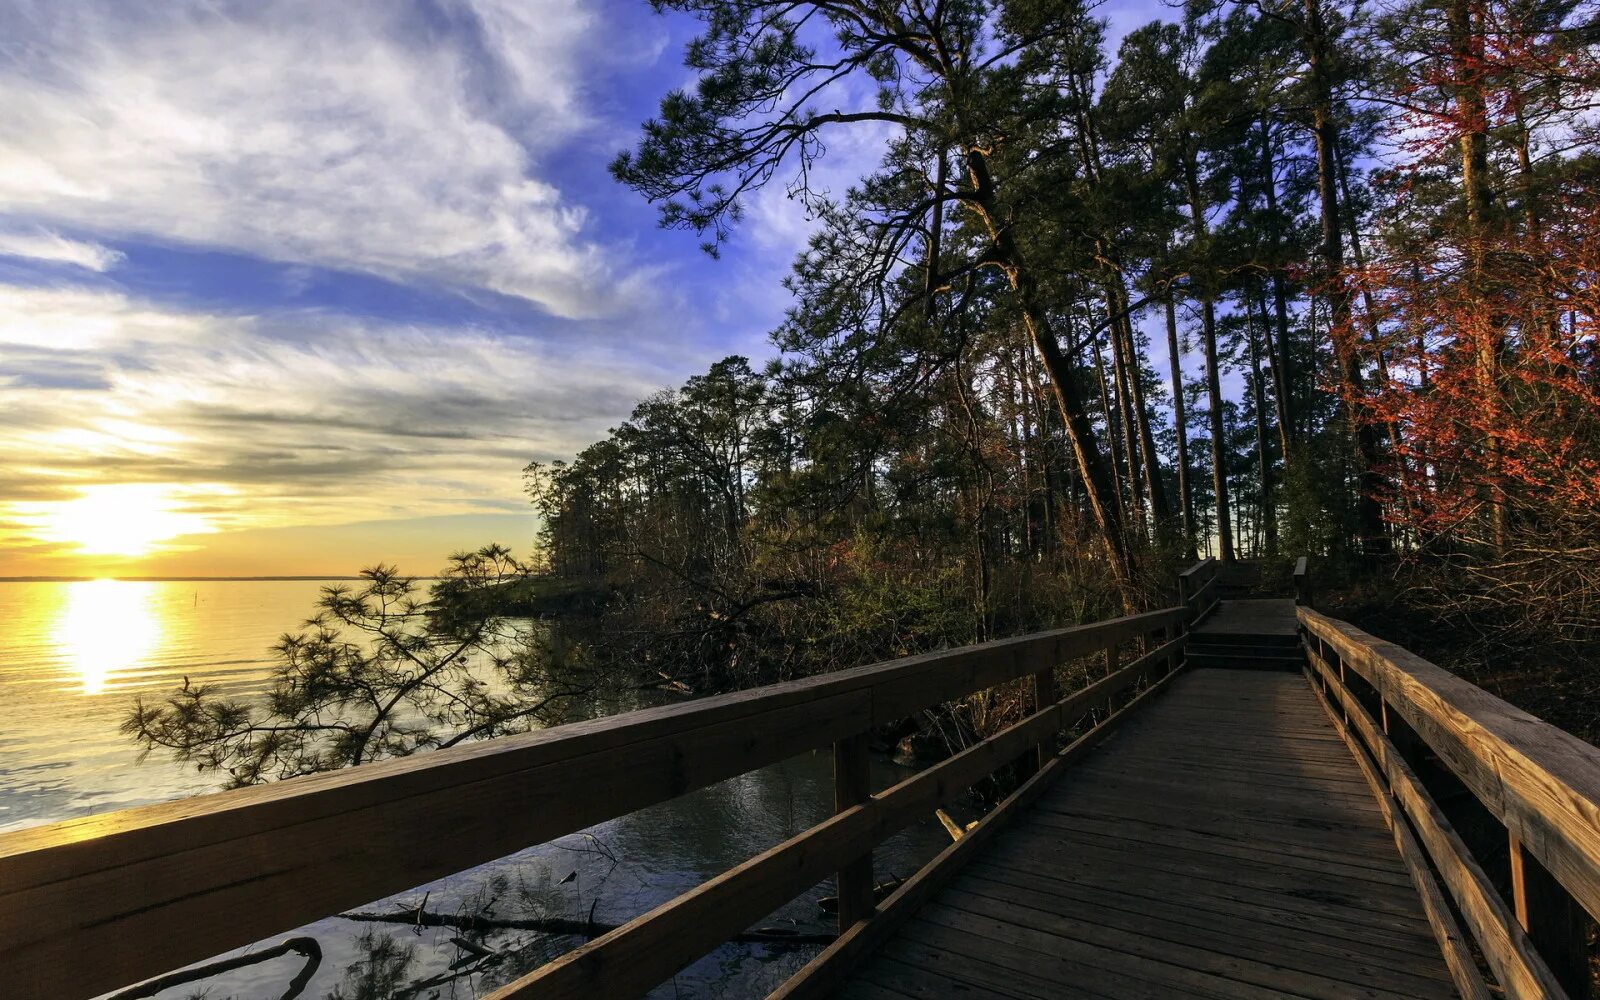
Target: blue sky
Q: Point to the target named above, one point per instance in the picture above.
(279, 266)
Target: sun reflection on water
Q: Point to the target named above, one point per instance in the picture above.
(107, 626)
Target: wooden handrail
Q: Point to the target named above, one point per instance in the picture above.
(822, 977)
(1541, 783)
(1453, 945)
(1200, 568)
(637, 956)
(1195, 585)
(145, 890)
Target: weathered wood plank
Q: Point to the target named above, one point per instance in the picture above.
(1220, 882)
(1264, 616)
(1555, 923)
(823, 975)
(909, 981)
(1249, 977)
(632, 959)
(1321, 925)
(1127, 872)
(1452, 943)
(1517, 966)
(1246, 940)
(852, 786)
(1154, 839)
(952, 960)
(1542, 783)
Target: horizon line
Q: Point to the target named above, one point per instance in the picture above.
(189, 579)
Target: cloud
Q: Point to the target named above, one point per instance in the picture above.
(404, 141)
(296, 418)
(50, 246)
(65, 320)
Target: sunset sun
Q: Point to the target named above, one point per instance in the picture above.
(120, 520)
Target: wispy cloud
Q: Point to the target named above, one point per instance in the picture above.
(46, 245)
(293, 184)
(367, 135)
(306, 418)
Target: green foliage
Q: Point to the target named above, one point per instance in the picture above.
(378, 672)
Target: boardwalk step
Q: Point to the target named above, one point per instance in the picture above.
(1244, 649)
(1244, 638)
(1238, 661)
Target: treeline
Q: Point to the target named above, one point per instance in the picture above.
(1316, 277)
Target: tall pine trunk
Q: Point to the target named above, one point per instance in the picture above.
(1208, 332)
(1095, 478)
(1185, 497)
(1325, 129)
(1269, 514)
(1466, 51)
(1279, 360)
(1155, 487)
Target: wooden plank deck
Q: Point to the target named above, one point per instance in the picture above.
(1221, 844)
(1272, 616)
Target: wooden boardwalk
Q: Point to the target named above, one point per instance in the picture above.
(1221, 844)
(1259, 617)
(1238, 806)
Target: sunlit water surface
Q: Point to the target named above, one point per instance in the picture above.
(74, 656)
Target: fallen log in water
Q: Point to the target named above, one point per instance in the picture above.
(304, 946)
(773, 936)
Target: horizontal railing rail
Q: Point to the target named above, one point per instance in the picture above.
(1405, 717)
(91, 904)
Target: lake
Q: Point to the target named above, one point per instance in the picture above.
(73, 656)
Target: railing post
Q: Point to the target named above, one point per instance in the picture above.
(1302, 583)
(852, 785)
(1556, 924)
(1044, 693)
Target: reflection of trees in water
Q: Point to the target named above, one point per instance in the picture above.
(382, 971)
(381, 671)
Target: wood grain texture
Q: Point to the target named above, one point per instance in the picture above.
(852, 785)
(825, 975)
(1517, 966)
(1541, 782)
(1252, 617)
(1452, 944)
(1255, 869)
(635, 957)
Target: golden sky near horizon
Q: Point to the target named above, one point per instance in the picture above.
(293, 288)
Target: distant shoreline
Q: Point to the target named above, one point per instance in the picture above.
(177, 579)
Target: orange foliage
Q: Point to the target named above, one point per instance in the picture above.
(1491, 373)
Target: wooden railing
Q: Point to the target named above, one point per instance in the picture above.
(1472, 785)
(91, 904)
(1197, 588)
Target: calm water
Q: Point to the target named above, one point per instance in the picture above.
(74, 655)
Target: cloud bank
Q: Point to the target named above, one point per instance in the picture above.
(304, 419)
(406, 141)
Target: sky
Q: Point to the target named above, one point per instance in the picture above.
(295, 287)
